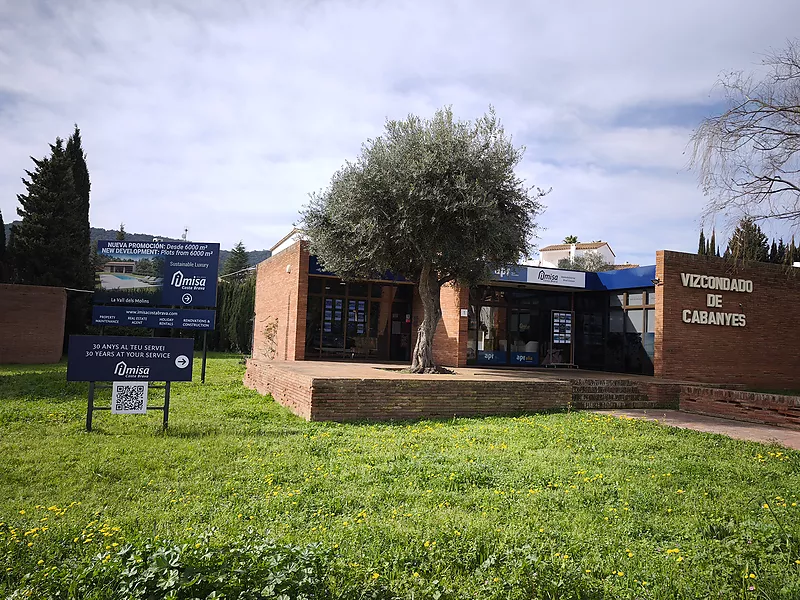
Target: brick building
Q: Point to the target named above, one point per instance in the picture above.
(31, 323)
(687, 317)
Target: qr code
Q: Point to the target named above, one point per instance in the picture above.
(129, 397)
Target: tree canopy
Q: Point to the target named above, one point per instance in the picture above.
(571, 239)
(434, 200)
(588, 261)
(748, 157)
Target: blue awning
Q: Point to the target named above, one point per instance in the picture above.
(622, 279)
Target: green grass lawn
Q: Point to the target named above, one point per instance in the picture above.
(242, 497)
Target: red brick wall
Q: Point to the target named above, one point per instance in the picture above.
(282, 297)
(450, 341)
(742, 406)
(31, 323)
(764, 353)
(339, 399)
(292, 390)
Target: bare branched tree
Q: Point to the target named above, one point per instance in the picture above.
(748, 158)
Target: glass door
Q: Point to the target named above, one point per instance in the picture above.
(492, 336)
(523, 336)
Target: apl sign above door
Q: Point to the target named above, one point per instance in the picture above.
(156, 273)
(541, 276)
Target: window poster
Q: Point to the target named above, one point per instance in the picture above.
(338, 303)
(360, 305)
(337, 315)
(360, 328)
(329, 303)
(327, 326)
(352, 305)
(327, 315)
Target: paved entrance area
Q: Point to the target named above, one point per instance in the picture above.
(735, 429)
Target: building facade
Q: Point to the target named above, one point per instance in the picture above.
(549, 256)
(686, 317)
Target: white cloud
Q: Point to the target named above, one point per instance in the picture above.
(223, 116)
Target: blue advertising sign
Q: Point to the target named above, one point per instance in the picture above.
(156, 273)
(157, 318)
(491, 357)
(118, 358)
(540, 276)
(530, 359)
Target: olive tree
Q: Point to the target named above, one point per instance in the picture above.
(434, 200)
(748, 157)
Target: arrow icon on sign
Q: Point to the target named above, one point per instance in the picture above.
(182, 361)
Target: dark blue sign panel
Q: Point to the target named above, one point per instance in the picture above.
(156, 273)
(157, 318)
(491, 357)
(118, 358)
(530, 359)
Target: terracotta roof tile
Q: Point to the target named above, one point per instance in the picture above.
(579, 246)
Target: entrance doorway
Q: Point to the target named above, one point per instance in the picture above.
(400, 338)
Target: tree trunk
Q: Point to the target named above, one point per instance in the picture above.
(429, 288)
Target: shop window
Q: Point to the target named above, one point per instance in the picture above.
(617, 299)
(492, 336)
(403, 293)
(651, 321)
(313, 326)
(334, 287)
(358, 290)
(615, 322)
(315, 285)
(634, 321)
(635, 298)
(472, 334)
(651, 298)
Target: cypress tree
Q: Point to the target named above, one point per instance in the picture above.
(80, 177)
(773, 253)
(702, 248)
(237, 261)
(3, 274)
(781, 256)
(748, 242)
(121, 233)
(44, 246)
(712, 244)
(791, 253)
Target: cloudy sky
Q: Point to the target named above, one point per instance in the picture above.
(223, 115)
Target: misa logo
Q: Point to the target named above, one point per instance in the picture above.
(179, 280)
(123, 370)
(547, 276)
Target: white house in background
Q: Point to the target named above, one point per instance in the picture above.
(550, 255)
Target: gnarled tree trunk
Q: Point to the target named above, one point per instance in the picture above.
(429, 289)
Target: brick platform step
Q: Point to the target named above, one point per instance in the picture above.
(386, 398)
